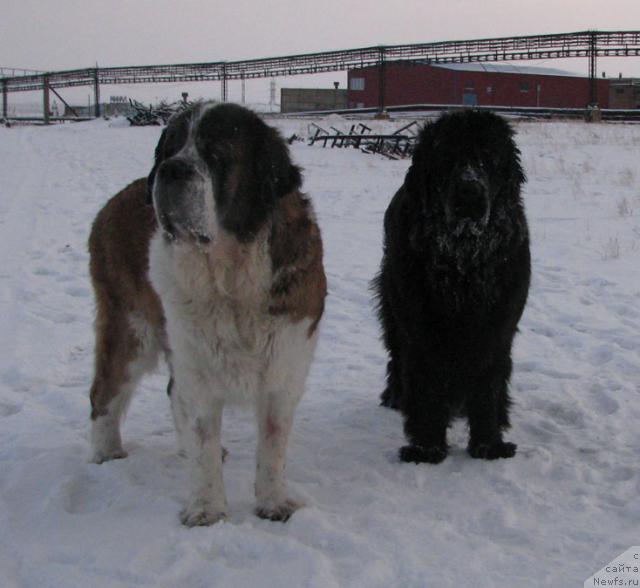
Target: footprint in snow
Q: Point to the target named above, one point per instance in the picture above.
(76, 495)
(7, 409)
(44, 271)
(625, 311)
(605, 402)
(78, 292)
(539, 368)
(600, 355)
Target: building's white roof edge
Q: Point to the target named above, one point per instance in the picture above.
(508, 68)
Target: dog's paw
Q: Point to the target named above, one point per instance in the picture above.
(496, 450)
(200, 514)
(183, 454)
(418, 454)
(102, 455)
(280, 512)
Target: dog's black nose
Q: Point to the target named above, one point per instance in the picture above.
(175, 170)
(470, 200)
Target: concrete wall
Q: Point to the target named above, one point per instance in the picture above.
(310, 99)
(624, 93)
(106, 109)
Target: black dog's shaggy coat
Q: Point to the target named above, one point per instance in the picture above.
(453, 284)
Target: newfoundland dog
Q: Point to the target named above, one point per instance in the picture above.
(214, 262)
(453, 284)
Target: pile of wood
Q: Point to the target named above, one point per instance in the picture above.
(154, 115)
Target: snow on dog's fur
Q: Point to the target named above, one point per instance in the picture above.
(223, 276)
(453, 284)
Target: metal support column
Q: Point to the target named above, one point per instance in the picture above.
(96, 93)
(5, 99)
(224, 83)
(593, 81)
(45, 98)
(381, 81)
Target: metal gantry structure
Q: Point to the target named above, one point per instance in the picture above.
(586, 44)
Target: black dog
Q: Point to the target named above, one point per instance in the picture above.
(453, 284)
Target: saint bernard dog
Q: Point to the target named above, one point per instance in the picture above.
(215, 263)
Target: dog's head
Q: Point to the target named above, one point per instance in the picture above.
(465, 167)
(218, 167)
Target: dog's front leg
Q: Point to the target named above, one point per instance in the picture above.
(275, 418)
(201, 436)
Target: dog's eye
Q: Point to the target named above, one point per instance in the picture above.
(175, 138)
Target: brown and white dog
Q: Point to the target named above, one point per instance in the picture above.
(223, 275)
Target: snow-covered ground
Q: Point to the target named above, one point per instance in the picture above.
(564, 506)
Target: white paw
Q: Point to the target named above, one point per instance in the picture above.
(102, 455)
(201, 514)
(281, 511)
(106, 441)
(183, 453)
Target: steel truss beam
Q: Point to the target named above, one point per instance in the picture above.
(589, 44)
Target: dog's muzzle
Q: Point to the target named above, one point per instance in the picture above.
(469, 198)
(178, 199)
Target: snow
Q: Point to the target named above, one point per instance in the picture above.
(561, 509)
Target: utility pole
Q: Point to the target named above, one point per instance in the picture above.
(272, 95)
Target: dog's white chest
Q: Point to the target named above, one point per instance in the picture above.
(218, 325)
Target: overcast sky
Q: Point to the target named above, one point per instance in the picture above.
(66, 34)
(63, 34)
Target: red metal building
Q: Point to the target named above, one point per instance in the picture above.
(481, 84)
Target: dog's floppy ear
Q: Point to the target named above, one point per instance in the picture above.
(519, 176)
(421, 161)
(278, 175)
(269, 177)
(157, 161)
